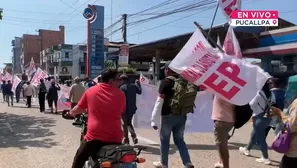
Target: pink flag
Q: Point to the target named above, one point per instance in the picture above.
(231, 44)
(40, 74)
(7, 77)
(228, 6)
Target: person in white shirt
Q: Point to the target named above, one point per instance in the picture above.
(29, 91)
(261, 119)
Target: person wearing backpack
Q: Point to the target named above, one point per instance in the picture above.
(179, 100)
(261, 120)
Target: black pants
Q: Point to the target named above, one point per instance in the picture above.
(41, 99)
(52, 101)
(128, 126)
(86, 150)
(29, 103)
(288, 162)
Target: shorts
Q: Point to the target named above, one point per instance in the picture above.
(221, 131)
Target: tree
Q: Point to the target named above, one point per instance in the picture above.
(108, 64)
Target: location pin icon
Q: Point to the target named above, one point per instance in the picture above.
(274, 21)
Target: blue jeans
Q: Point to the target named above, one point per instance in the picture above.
(260, 123)
(175, 124)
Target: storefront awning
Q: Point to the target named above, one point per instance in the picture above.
(282, 49)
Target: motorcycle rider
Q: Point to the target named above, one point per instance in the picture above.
(104, 123)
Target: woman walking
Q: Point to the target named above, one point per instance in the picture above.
(261, 121)
(52, 96)
(289, 159)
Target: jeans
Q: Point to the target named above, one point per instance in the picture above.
(9, 97)
(128, 126)
(176, 125)
(260, 123)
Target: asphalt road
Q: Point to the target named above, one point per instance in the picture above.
(30, 139)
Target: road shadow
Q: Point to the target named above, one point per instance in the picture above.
(27, 131)
(16, 106)
(155, 148)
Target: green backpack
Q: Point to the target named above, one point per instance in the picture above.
(183, 100)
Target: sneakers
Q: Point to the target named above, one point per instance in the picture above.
(219, 165)
(244, 151)
(263, 160)
(159, 165)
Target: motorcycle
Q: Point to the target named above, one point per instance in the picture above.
(109, 156)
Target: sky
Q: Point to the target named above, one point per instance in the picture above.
(26, 17)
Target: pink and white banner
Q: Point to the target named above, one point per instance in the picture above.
(63, 103)
(7, 77)
(231, 44)
(143, 79)
(228, 6)
(16, 81)
(40, 74)
(199, 121)
(230, 78)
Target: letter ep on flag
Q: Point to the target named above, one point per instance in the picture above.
(230, 78)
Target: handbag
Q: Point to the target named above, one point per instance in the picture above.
(281, 143)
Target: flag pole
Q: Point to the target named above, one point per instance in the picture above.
(213, 19)
(208, 37)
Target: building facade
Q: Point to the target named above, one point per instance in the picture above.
(32, 45)
(16, 54)
(64, 61)
(277, 51)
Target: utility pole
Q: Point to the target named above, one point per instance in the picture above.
(1, 11)
(124, 28)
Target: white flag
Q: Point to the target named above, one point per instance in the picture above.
(228, 6)
(143, 79)
(232, 79)
(15, 83)
(219, 41)
(231, 44)
(32, 68)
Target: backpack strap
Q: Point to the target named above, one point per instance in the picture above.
(232, 133)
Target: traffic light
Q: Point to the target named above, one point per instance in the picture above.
(1, 11)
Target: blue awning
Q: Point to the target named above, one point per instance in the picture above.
(255, 30)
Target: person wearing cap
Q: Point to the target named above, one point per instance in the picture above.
(76, 92)
(130, 90)
(169, 123)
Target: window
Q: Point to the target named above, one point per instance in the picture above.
(66, 55)
(83, 69)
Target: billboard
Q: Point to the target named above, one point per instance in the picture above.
(95, 42)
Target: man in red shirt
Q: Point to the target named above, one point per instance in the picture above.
(105, 104)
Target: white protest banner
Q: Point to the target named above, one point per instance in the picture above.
(63, 103)
(230, 78)
(16, 81)
(228, 6)
(7, 77)
(143, 79)
(199, 121)
(231, 44)
(40, 74)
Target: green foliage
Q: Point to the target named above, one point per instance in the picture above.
(108, 64)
